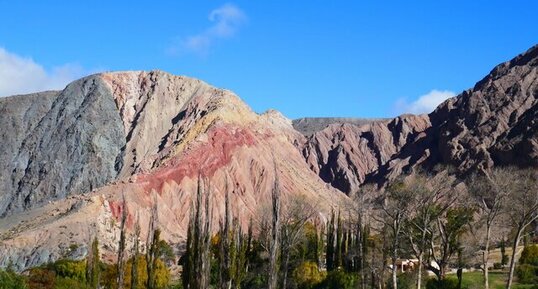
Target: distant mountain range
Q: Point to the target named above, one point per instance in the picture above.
(68, 156)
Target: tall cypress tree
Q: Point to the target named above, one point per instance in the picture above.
(196, 267)
(121, 246)
(92, 265)
(136, 249)
(338, 248)
(329, 255)
(151, 250)
(274, 246)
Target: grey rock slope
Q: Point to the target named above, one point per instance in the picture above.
(99, 129)
(19, 115)
(72, 143)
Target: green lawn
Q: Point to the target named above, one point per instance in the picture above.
(497, 280)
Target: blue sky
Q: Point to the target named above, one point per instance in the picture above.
(304, 58)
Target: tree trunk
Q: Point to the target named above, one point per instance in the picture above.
(419, 274)
(285, 269)
(394, 273)
(485, 257)
(513, 259)
(361, 264)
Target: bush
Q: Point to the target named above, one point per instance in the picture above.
(442, 284)
(527, 274)
(41, 278)
(529, 255)
(68, 283)
(11, 280)
(70, 269)
(307, 275)
(338, 279)
(497, 266)
(405, 281)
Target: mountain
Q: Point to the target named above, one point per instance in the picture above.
(309, 125)
(147, 136)
(69, 157)
(494, 123)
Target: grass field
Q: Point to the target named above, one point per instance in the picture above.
(497, 280)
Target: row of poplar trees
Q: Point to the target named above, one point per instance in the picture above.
(233, 245)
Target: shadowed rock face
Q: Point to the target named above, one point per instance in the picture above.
(495, 123)
(344, 154)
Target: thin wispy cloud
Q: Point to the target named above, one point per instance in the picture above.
(425, 103)
(225, 22)
(19, 75)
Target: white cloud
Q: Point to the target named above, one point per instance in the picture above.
(226, 21)
(425, 103)
(19, 75)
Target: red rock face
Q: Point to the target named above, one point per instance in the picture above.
(203, 159)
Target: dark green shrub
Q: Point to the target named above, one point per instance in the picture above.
(497, 266)
(442, 284)
(75, 270)
(529, 255)
(11, 280)
(68, 283)
(527, 274)
(338, 279)
(405, 281)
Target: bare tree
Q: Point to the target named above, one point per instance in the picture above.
(429, 201)
(361, 207)
(275, 234)
(395, 210)
(489, 190)
(120, 265)
(451, 225)
(294, 217)
(522, 208)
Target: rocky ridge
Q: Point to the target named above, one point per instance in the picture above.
(492, 124)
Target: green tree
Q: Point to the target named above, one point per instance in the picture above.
(93, 270)
(11, 280)
(75, 270)
(196, 260)
(504, 256)
(307, 275)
